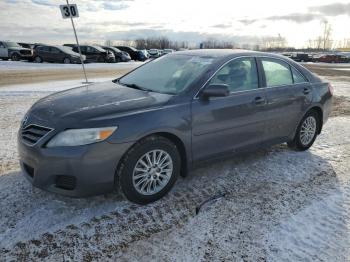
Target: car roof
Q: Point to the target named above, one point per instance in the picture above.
(224, 54)
(215, 52)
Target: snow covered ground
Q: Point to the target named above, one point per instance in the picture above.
(274, 204)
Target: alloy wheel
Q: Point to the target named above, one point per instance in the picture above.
(152, 172)
(308, 130)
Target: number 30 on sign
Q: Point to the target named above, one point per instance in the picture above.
(69, 11)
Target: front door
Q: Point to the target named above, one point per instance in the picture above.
(225, 124)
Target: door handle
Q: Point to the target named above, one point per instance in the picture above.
(259, 100)
(306, 91)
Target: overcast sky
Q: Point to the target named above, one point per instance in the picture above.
(240, 21)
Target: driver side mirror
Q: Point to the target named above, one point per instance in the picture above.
(215, 90)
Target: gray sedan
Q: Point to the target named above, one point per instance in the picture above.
(141, 131)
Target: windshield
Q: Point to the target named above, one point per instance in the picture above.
(12, 44)
(168, 74)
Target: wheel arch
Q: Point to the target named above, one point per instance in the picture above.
(319, 112)
(174, 139)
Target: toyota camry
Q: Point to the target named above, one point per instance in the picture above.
(138, 133)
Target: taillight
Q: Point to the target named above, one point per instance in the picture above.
(331, 89)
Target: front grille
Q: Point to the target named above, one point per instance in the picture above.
(29, 170)
(33, 133)
(66, 182)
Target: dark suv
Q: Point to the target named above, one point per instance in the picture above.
(95, 54)
(135, 54)
(13, 51)
(56, 54)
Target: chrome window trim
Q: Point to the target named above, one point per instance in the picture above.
(206, 82)
(22, 129)
(255, 56)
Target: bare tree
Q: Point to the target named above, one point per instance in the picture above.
(326, 36)
(108, 43)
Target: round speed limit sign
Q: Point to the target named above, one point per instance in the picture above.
(69, 11)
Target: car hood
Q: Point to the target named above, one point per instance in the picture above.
(102, 100)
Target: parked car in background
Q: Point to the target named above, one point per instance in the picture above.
(332, 59)
(95, 54)
(167, 51)
(135, 54)
(56, 54)
(301, 57)
(141, 131)
(120, 56)
(15, 52)
(145, 53)
(154, 53)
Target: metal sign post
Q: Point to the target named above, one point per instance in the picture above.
(71, 11)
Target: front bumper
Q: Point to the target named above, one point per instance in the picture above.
(73, 171)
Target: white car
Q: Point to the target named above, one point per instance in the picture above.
(13, 51)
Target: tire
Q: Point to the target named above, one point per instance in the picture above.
(38, 59)
(5, 59)
(303, 140)
(66, 60)
(15, 57)
(130, 179)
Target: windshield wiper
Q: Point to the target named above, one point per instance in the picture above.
(135, 86)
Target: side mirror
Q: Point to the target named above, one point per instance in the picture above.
(215, 90)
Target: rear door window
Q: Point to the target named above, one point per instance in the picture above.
(298, 77)
(54, 50)
(277, 73)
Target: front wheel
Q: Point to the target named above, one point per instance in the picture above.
(149, 170)
(307, 132)
(15, 57)
(38, 59)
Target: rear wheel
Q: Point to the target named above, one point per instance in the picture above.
(66, 60)
(149, 170)
(15, 57)
(38, 59)
(307, 131)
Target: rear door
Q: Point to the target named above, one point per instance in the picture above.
(226, 124)
(288, 95)
(44, 53)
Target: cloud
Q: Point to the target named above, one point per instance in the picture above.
(43, 2)
(114, 6)
(222, 26)
(296, 17)
(247, 21)
(332, 9)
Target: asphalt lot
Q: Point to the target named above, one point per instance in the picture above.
(278, 204)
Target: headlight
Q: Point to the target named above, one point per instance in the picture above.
(78, 137)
